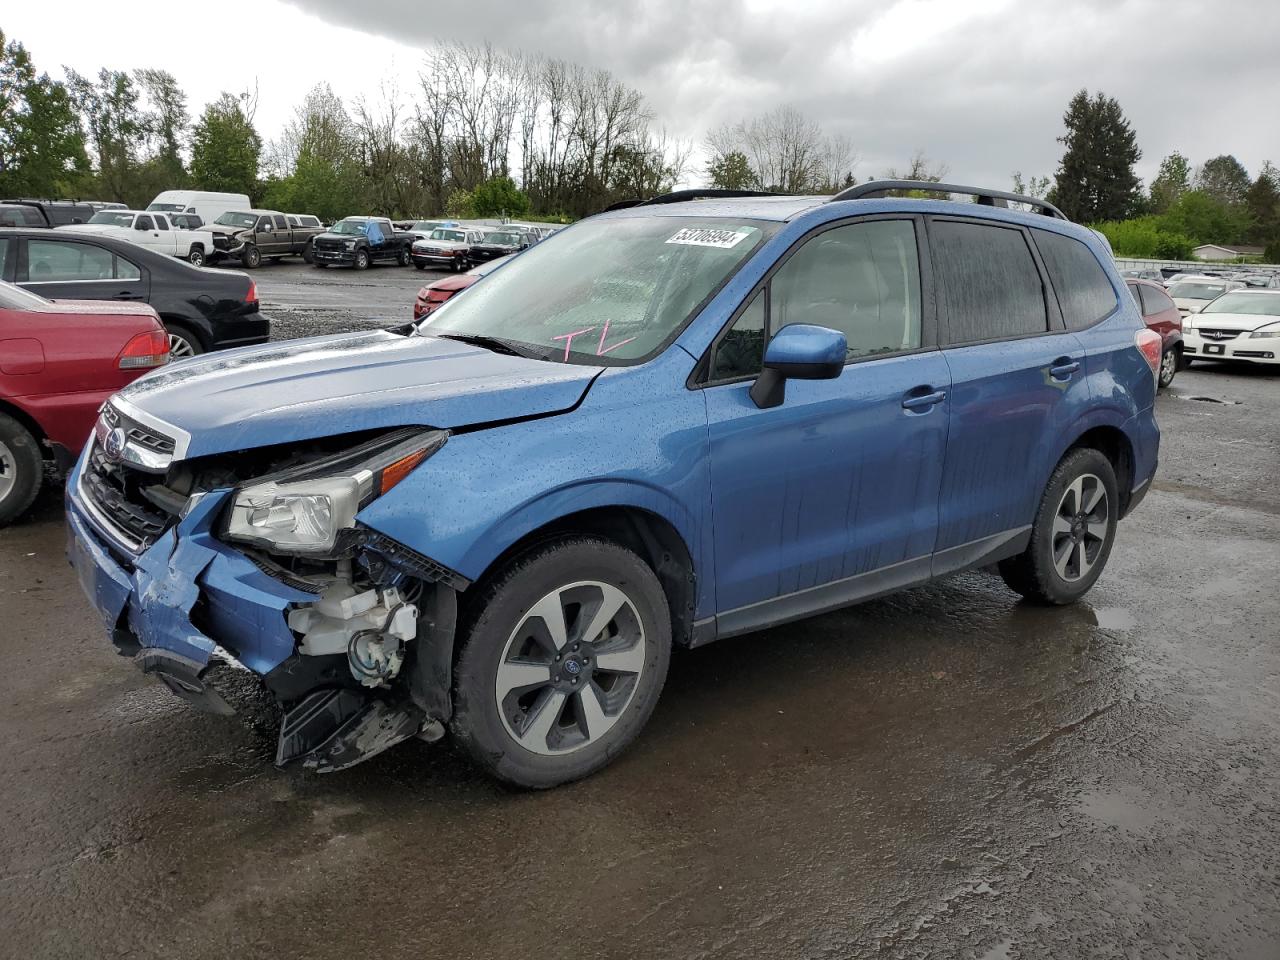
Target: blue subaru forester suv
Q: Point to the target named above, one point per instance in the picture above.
(673, 423)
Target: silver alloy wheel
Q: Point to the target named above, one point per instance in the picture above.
(570, 668)
(180, 347)
(1168, 367)
(8, 470)
(1081, 526)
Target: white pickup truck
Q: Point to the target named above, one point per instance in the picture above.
(151, 229)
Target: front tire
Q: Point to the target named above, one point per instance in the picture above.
(361, 260)
(308, 253)
(1073, 532)
(1168, 366)
(563, 656)
(21, 469)
(251, 258)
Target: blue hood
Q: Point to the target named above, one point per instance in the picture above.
(323, 386)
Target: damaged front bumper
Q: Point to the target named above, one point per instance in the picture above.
(194, 612)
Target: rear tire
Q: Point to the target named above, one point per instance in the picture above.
(534, 717)
(196, 256)
(1168, 366)
(182, 342)
(402, 258)
(21, 469)
(1073, 532)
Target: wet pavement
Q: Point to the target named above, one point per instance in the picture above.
(946, 773)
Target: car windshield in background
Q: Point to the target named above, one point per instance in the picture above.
(15, 298)
(1253, 304)
(350, 228)
(113, 219)
(1197, 291)
(456, 236)
(605, 290)
(231, 219)
(502, 239)
(164, 207)
(426, 226)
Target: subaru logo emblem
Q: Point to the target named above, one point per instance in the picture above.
(113, 446)
(572, 667)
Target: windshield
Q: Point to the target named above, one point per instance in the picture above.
(455, 235)
(113, 218)
(612, 289)
(502, 239)
(1254, 304)
(1189, 290)
(233, 219)
(350, 228)
(167, 206)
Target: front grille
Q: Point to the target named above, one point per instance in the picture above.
(136, 432)
(1213, 334)
(117, 493)
(329, 245)
(221, 242)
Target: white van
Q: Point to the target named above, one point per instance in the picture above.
(208, 206)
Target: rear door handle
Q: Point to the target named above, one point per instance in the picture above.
(1063, 368)
(925, 402)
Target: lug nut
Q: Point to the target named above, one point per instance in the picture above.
(574, 681)
(575, 648)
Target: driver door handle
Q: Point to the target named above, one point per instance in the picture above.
(925, 401)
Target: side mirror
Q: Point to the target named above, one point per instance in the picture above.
(799, 351)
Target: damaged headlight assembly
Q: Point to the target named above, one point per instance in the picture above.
(303, 511)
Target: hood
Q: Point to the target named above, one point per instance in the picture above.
(1234, 321)
(1189, 305)
(498, 246)
(441, 244)
(302, 389)
(223, 230)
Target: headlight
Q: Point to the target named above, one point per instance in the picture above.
(350, 244)
(1264, 333)
(303, 511)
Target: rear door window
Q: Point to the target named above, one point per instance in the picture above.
(55, 261)
(988, 283)
(281, 223)
(161, 223)
(1154, 301)
(1084, 292)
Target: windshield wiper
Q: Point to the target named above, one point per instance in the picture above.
(496, 344)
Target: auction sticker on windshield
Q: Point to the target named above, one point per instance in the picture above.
(710, 237)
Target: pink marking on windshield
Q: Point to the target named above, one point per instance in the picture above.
(601, 350)
(568, 340)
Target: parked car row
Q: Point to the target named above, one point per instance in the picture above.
(50, 213)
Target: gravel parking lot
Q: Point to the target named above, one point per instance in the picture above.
(944, 773)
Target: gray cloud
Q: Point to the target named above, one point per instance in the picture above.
(980, 85)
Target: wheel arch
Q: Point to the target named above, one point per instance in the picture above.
(1114, 444)
(648, 534)
(31, 425)
(190, 326)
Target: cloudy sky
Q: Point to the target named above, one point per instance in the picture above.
(980, 85)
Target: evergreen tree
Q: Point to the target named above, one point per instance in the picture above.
(225, 148)
(41, 143)
(116, 128)
(1263, 203)
(1225, 179)
(1095, 179)
(1173, 180)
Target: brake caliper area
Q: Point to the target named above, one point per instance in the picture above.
(371, 627)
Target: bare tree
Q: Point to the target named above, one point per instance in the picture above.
(786, 151)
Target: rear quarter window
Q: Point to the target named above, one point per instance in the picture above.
(1084, 292)
(987, 282)
(1154, 301)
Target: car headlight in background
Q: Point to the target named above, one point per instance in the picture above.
(302, 511)
(349, 245)
(1265, 332)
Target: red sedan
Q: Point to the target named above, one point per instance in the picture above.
(1161, 314)
(433, 295)
(58, 363)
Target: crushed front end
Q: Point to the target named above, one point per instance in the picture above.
(207, 567)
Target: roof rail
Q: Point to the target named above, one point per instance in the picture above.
(985, 197)
(707, 194)
(622, 205)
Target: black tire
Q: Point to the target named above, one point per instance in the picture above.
(183, 342)
(420, 266)
(21, 469)
(402, 258)
(318, 265)
(1034, 573)
(488, 625)
(1169, 366)
(195, 256)
(1183, 361)
(361, 260)
(251, 257)
(307, 253)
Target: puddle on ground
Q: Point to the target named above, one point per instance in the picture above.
(1185, 396)
(1114, 618)
(1124, 809)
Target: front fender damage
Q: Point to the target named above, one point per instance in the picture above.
(350, 682)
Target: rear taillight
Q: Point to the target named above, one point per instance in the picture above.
(146, 350)
(1150, 345)
(252, 295)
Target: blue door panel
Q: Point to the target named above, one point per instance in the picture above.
(836, 481)
(1008, 411)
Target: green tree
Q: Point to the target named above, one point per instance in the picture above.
(1206, 219)
(167, 121)
(732, 171)
(116, 128)
(1225, 179)
(459, 204)
(1095, 179)
(1262, 200)
(225, 148)
(498, 197)
(41, 143)
(1171, 182)
(1034, 187)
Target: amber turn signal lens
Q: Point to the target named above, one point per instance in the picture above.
(393, 473)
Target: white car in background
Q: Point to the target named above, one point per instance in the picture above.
(1239, 325)
(150, 229)
(1191, 293)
